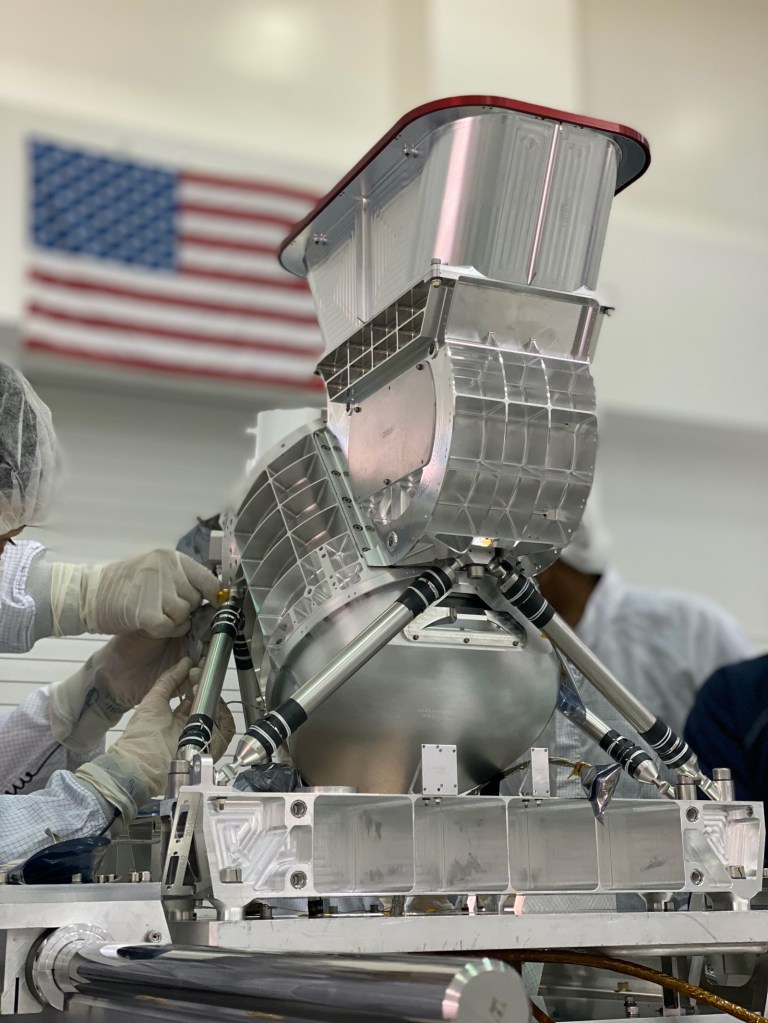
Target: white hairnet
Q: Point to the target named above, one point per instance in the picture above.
(589, 550)
(28, 452)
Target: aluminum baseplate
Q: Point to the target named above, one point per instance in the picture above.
(257, 846)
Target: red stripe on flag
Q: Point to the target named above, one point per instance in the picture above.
(313, 383)
(257, 280)
(236, 213)
(99, 323)
(264, 187)
(228, 243)
(255, 312)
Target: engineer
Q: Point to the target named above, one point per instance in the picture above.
(661, 644)
(144, 602)
(728, 726)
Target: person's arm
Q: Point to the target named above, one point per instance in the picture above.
(155, 594)
(29, 751)
(66, 808)
(19, 613)
(106, 793)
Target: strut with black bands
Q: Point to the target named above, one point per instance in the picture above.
(673, 750)
(197, 733)
(275, 727)
(228, 619)
(523, 595)
(425, 590)
(624, 751)
(243, 660)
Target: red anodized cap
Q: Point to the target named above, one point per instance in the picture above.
(634, 153)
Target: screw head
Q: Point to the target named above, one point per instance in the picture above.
(750, 811)
(154, 937)
(692, 814)
(697, 876)
(298, 808)
(298, 879)
(392, 540)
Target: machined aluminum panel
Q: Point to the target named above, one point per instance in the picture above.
(324, 844)
(516, 194)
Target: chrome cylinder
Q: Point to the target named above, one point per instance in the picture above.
(208, 692)
(198, 731)
(251, 695)
(347, 989)
(353, 656)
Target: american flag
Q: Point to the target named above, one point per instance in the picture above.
(161, 269)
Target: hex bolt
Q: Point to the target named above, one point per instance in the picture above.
(298, 808)
(153, 937)
(298, 879)
(692, 814)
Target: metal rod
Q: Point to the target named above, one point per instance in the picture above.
(250, 690)
(263, 739)
(674, 751)
(197, 732)
(347, 989)
(635, 760)
(630, 708)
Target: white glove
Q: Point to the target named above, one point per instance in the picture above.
(136, 767)
(114, 679)
(154, 594)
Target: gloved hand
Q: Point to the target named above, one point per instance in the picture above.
(136, 767)
(154, 593)
(114, 679)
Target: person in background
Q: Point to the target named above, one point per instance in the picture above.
(661, 644)
(728, 726)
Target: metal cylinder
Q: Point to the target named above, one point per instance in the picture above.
(178, 775)
(347, 989)
(250, 691)
(353, 657)
(630, 708)
(723, 779)
(208, 692)
(199, 728)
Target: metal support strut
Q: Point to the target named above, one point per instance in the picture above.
(198, 730)
(674, 751)
(266, 736)
(637, 763)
